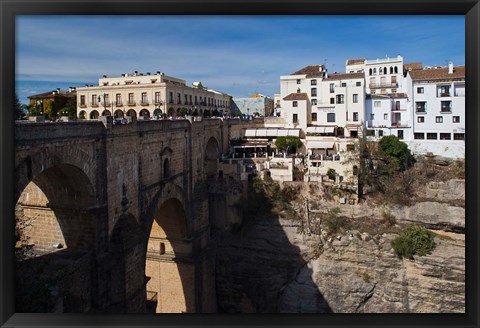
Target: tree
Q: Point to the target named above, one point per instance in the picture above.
(18, 108)
(332, 174)
(70, 108)
(414, 240)
(182, 111)
(288, 143)
(396, 152)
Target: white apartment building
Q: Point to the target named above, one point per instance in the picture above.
(146, 95)
(439, 115)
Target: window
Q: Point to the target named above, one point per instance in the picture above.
(332, 88)
(314, 92)
(295, 118)
(380, 70)
(438, 119)
(144, 98)
(372, 117)
(431, 136)
(358, 84)
(299, 81)
(131, 99)
(377, 104)
(445, 136)
(419, 135)
(344, 84)
(314, 102)
(82, 100)
(170, 98)
(456, 119)
(295, 103)
(385, 116)
(400, 134)
(391, 70)
(380, 133)
(459, 136)
(374, 71)
(420, 90)
(370, 71)
(313, 82)
(196, 100)
(446, 106)
(420, 106)
(106, 100)
(370, 133)
(355, 116)
(444, 91)
(331, 117)
(166, 168)
(157, 97)
(314, 117)
(179, 98)
(421, 119)
(94, 100)
(340, 99)
(396, 70)
(186, 99)
(191, 100)
(355, 98)
(332, 100)
(118, 99)
(350, 147)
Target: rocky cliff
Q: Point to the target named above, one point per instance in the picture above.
(274, 265)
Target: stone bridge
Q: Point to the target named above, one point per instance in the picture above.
(128, 205)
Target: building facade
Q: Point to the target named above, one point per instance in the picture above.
(147, 95)
(258, 105)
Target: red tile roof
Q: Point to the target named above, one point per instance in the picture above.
(344, 76)
(413, 66)
(296, 96)
(355, 61)
(311, 71)
(438, 73)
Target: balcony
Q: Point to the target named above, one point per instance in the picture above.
(119, 104)
(94, 105)
(396, 108)
(400, 124)
(444, 94)
(144, 103)
(131, 103)
(383, 85)
(106, 104)
(83, 106)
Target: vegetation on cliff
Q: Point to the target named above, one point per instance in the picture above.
(414, 240)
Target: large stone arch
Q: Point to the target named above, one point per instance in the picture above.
(55, 213)
(169, 265)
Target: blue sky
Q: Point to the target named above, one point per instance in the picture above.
(239, 55)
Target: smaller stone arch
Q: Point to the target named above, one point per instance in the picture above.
(106, 113)
(132, 113)
(171, 111)
(145, 113)
(94, 115)
(157, 112)
(118, 113)
(82, 114)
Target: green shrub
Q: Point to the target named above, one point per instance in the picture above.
(332, 174)
(414, 240)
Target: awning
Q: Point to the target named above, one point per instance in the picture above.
(250, 133)
(271, 132)
(320, 144)
(320, 129)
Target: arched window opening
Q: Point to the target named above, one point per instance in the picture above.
(166, 168)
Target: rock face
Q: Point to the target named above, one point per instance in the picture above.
(270, 266)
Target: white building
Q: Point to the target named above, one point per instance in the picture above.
(146, 95)
(439, 115)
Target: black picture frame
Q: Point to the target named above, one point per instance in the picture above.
(11, 8)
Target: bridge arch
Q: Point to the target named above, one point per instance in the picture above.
(55, 213)
(169, 264)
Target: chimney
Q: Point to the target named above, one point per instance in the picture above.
(104, 76)
(450, 67)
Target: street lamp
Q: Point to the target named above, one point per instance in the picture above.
(104, 102)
